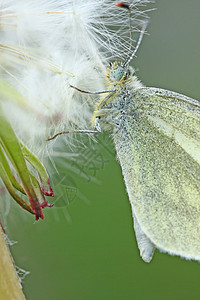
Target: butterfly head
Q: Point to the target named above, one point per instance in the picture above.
(117, 73)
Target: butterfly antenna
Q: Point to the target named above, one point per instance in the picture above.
(127, 6)
(144, 26)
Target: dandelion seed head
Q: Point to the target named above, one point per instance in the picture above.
(48, 45)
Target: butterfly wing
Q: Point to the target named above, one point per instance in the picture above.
(158, 146)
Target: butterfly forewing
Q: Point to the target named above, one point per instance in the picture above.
(160, 164)
(182, 112)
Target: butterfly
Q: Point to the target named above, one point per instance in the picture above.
(157, 140)
(156, 134)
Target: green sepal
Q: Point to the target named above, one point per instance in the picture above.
(11, 146)
(36, 163)
(9, 173)
(11, 190)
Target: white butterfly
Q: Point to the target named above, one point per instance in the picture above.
(157, 140)
(156, 134)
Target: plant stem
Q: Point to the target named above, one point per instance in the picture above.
(10, 287)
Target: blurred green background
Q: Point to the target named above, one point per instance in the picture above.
(85, 248)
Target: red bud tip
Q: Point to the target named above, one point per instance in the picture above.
(49, 192)
(39, 214)
(46, 204)
(124, 5)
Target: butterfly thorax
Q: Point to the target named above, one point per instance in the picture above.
(112, 107)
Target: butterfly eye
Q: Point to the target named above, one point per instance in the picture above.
(128, 73)
(116, 74)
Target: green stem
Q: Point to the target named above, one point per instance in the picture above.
(10, 287)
